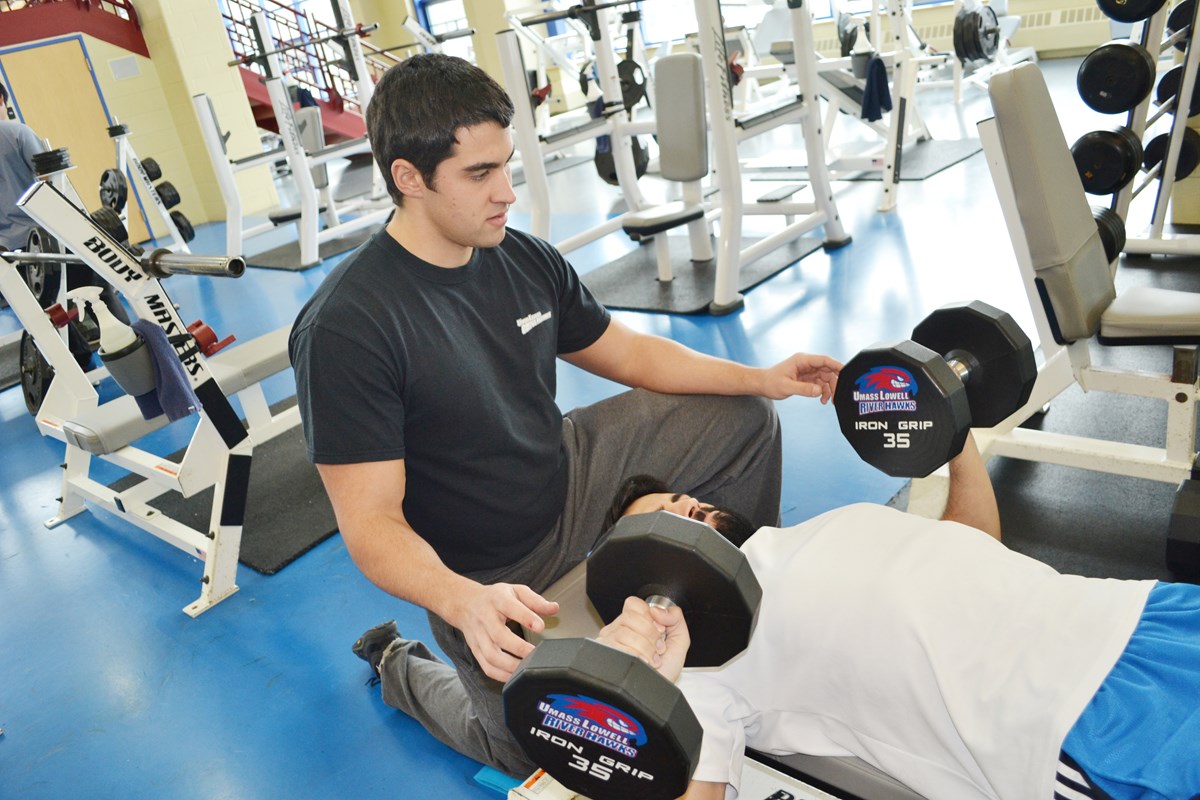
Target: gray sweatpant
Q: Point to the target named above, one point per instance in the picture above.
(723, 450)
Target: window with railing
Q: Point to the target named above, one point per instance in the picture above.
(308, 49)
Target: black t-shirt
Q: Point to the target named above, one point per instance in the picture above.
(452, 370)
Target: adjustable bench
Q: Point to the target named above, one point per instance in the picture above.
(1076, 307)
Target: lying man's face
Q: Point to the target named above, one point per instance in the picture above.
(728, 523)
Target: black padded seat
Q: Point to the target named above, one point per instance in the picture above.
(657, 219)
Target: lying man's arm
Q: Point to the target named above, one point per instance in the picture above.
(660, 638)
(972, 501)
(368, 501)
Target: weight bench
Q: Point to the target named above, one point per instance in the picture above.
(1077, 309)
(111, 432)
(682, 132)
(218, 455)
(851, 777)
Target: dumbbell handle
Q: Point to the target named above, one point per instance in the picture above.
(962, 363)
(661, 601)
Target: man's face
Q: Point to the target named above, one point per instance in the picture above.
(467, 203)
(680, 504)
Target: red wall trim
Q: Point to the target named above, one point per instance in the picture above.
(47, 20)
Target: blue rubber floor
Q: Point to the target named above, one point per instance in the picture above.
(108, 690)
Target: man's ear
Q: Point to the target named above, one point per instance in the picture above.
(408, 178)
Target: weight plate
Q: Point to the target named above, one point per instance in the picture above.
(960, 47)
(902, 408)
(114, 190)
(42, 279)
(601, 722)
(51, 161)
(1181, 17)
(184, 225)
(1130, 10)
(1000, 356)
(168, 194)
(1168, 90)
(1115, 77)
(986, 33)
(1189, 153)
(151, 168)
(1107, 160)
(709, 579)
(1112, 231)
(110, 221)
(36, 374)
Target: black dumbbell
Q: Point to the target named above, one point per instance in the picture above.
(906, 407)
(601, 721)
(1107, 160)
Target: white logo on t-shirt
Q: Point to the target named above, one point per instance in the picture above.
(526, 324)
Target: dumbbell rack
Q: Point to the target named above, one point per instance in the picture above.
(129, 164)
(1153, 240)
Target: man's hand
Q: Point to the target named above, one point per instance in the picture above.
(802, 374)
(484, 618)
(657, 636)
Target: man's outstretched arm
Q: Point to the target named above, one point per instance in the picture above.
(972, 501)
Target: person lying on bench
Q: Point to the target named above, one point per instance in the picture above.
(932, 652)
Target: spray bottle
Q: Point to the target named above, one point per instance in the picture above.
(862, 51)
(121, 349)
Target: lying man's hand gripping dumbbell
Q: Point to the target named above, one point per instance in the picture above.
(934, 653)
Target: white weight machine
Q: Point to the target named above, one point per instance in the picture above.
(304, 150)
(218, 455)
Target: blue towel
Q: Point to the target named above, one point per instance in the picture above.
(495, 780)
(173, 394)
(877, 98)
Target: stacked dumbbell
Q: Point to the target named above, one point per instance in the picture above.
(1116, 78)
(906, 407)
(602, 722)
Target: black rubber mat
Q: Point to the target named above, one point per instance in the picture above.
(287, 510)
(631, 282)
(287, 256)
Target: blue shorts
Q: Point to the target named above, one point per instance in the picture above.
(1139, 737)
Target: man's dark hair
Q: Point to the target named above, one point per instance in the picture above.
(3, 94)
(729, 523)
(419, 105)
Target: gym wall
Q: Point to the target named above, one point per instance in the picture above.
(69, 89)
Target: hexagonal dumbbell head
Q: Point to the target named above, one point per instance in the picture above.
(690, 563)
(602, 722)
(902, 408)
(997, 353)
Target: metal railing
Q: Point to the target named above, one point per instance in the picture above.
(121, 8)
(319, 66)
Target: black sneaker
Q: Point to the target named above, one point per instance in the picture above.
(370, 645)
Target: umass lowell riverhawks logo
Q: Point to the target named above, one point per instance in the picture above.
(593, 721)
(885, 389)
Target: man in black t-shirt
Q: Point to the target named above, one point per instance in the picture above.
(425, 369)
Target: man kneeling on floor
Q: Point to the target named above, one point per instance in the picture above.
(929, 650)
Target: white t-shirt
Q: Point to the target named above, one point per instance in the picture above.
(927, 649)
